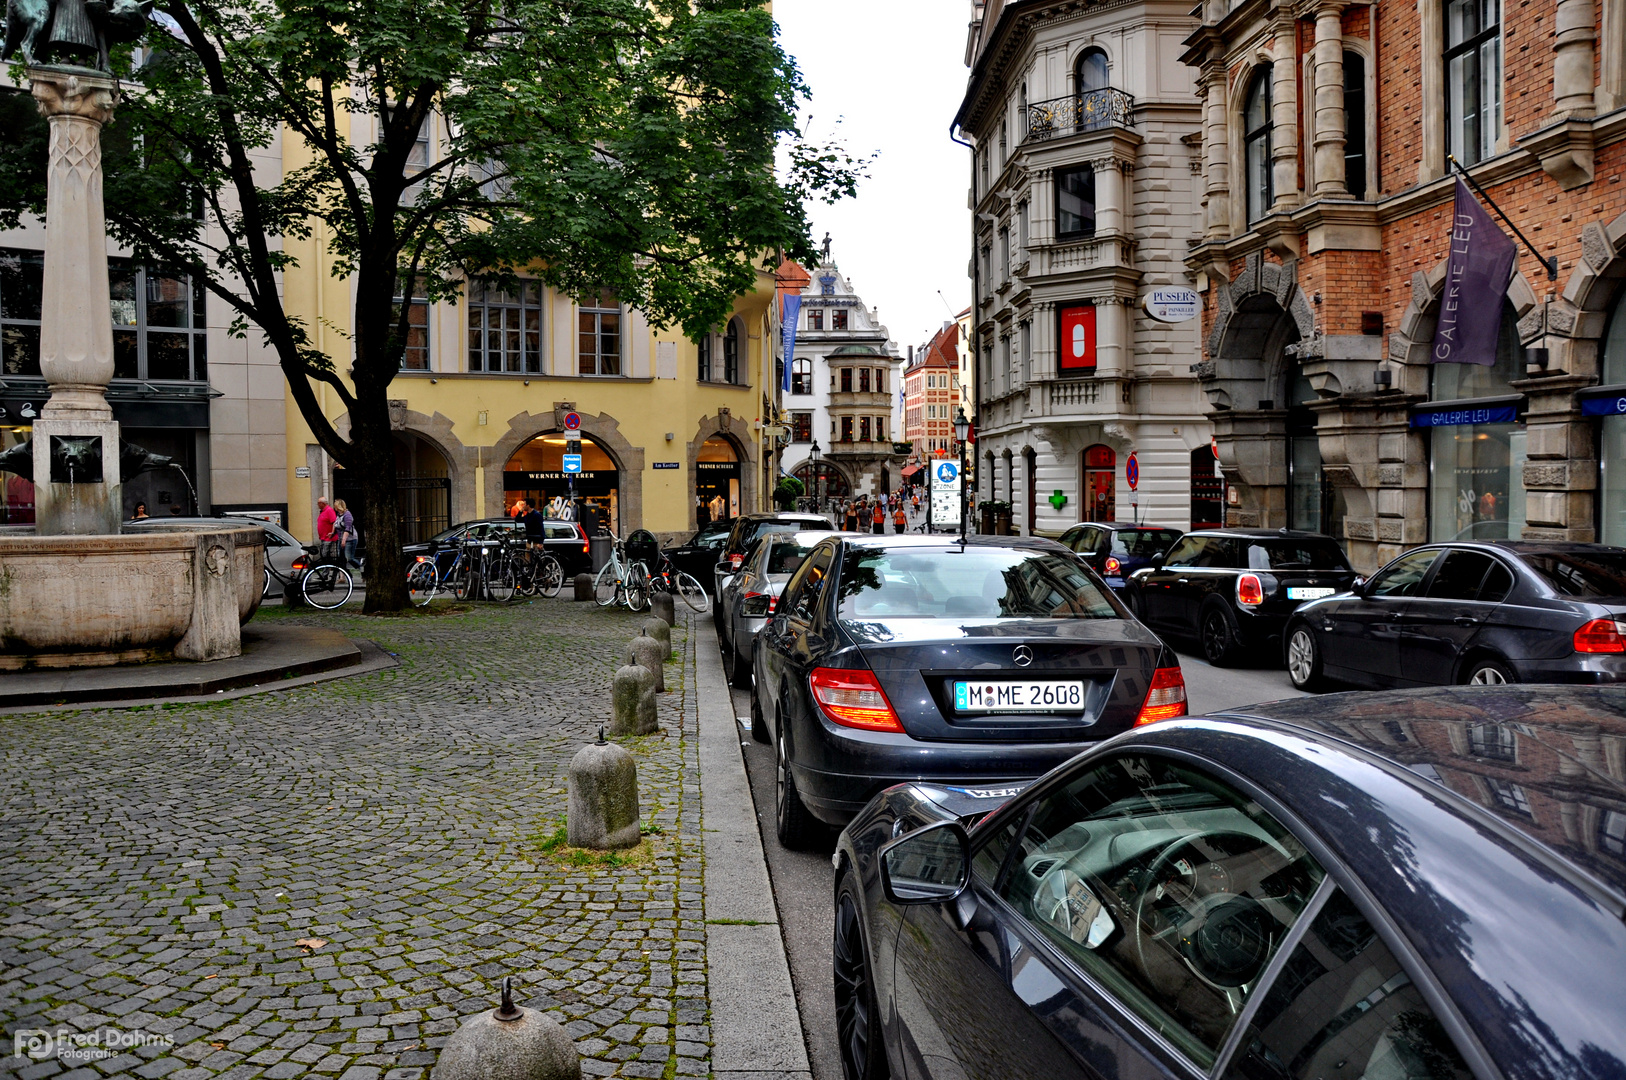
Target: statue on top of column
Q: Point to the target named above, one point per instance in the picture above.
(72, 32)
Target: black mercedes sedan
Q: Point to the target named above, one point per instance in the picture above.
(1487, 612)
(1233, 589)
(1413, 885)
(893, 658)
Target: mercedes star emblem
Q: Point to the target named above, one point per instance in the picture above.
(1023, 656)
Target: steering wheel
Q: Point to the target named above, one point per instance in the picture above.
(1222, 936)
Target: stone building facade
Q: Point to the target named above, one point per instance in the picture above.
(845, 375)
(1085, 189)
(1329, 133)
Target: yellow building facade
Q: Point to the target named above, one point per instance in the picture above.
(671, 430)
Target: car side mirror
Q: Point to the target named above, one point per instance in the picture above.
(1158, 557)
(1358, 587)
(928, 866)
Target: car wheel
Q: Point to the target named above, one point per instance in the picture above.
(1303, 658)
(1489, 673)
(759, 723)
(739, 671)
(858, 1014)
(793, 824)
(1218, 637)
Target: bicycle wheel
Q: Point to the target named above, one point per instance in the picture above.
(606, 587)
(462, 579)
(265, 583)
(691, 592)
(548, 576)
(327, 587)
(500, 580)
(422, 581)
(638, 587)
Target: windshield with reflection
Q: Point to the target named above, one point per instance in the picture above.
(989, 583)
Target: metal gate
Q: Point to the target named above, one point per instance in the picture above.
(423, 504)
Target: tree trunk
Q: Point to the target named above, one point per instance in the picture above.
(374, 451)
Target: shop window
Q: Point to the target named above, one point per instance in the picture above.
(1313, 504)
(599, 335)
(157, 324)
(733, 340)
(22, 274)
(1207, 489)
(505, 327)
(801, 427)
(838, 319)
(415, 351)
(1075, 204)
(1355, 124)
(1473, 77)
(801, 376)
(1100, 469)
(1476, 470)
(1612, 434)
(1256, 137)
(815, 318)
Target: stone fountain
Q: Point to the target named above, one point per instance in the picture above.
(76, 591)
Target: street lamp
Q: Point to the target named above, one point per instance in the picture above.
(818, 486)
(962, 428)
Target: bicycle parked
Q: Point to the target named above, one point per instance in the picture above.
(463, 578)
(321, 584)
(683, 586)
(623, 581)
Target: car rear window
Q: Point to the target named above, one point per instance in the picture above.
(1588, 574)
(1143, 543)
(989, 583)
(1296, 555)
(559, 532)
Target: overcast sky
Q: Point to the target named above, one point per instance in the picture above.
(890, 72)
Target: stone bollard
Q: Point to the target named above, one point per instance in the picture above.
(646, 651)
(603, 797)
(633, 697)
(584, 587)
(660, 606)
(661, 631)
(509, 1043)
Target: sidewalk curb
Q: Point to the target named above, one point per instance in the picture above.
(756, 1030)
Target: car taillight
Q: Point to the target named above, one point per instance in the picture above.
(853, 699)
(1601, 635)
(758, 604)
(1113, 565)
(1165, 698)
(581, 532)
(735, 561)
(1249, 591)
(301, 563)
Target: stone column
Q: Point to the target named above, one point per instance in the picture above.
(1329, 103)
(1216, 156)
(1109, 196)
(1284, 114)
(1573, 48)
(76, 329)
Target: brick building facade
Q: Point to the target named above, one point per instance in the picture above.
(1329, 132)
(931, 389)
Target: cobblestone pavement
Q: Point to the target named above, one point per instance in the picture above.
(162, 864)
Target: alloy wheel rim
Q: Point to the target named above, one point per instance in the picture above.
(1214, 635)
(1300, 657)
(1488, 676)
(851, 991)
(779, 769)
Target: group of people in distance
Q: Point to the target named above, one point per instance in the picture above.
(871, 512)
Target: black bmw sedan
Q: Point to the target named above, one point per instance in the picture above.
(893, 658)
(1489, 612)
(1414, 885)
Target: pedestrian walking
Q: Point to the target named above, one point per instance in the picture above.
(851, 518)
(879, 520)
(900, 520)
(325, 517)
(344, 533)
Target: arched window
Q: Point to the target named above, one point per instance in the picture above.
(703, 350)
(1100, 468)
(1355, 124)
(732, 340)
(1612, 437)
(1092, 71)
(1256, 144)
(1476, 470)
(801, 375)
(1093, 79)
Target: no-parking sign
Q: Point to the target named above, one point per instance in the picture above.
(573, 421)
(1132, 471)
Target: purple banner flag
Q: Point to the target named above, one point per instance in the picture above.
(793, 309)
(1476, 281)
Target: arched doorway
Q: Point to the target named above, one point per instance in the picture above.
(828, 483)
(536, 474)
(423, 488)
(1100, 471)
(717, 480)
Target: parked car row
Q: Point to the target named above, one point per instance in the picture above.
(564, 540)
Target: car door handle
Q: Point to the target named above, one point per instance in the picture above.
(1463, 620)
(1395, 616)
(1184, 581)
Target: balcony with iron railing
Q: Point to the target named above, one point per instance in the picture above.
(1076, 114)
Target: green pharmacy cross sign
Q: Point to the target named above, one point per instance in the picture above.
(1058, 500)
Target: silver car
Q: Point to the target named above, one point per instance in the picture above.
(281, 548)
(749, 598)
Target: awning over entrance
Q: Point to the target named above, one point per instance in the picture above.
(910, 471)
(1496, 410)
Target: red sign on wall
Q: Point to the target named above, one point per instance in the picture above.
(1077, 345)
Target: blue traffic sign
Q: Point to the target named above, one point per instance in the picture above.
(947, 472)
(573, 421)
(572, 463)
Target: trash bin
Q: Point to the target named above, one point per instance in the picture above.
(599, 549)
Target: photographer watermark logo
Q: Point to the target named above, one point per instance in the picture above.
(76, 1047)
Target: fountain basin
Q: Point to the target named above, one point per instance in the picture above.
(90, 601)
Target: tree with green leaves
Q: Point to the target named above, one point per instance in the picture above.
(626, 145)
